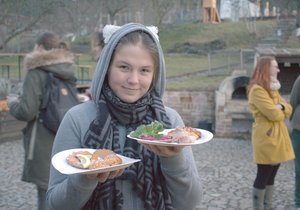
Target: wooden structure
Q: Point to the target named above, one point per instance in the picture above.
(82, 71)
(10, 69)
(210, 12)
(7, 66)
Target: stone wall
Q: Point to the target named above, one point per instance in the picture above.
(195, 107)
(10, 128)
(216, 110)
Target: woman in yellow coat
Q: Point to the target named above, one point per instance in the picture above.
(270, 137)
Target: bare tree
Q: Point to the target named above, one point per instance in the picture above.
(161, 9)
(16, 16)
(189, 9)
(82, 17)
(114, 7)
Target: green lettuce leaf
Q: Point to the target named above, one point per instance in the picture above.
(151, 129)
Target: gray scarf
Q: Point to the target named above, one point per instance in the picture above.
(146, 176)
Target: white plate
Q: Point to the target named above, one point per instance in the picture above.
(205, 137)
(60, 163)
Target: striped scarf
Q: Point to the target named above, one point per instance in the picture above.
(146, 176)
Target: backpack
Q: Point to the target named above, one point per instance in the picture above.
(60, 96)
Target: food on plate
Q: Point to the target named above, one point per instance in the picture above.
(80, 159)
(153, 131)
(184, 134)
(4, 106)
(149, 131)
(83, 98)
(98, 159)
(103, 158)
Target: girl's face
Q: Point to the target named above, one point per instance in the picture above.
(131, 72)
(274, 68)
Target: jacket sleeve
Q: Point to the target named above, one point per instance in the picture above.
(287, 108)
(29, 102)
(73, 191)
(181, 175)
(295, 96)
(260, 98)
(68, 192)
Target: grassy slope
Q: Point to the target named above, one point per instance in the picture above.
(235, 34)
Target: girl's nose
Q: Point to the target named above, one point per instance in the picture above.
(133, 78)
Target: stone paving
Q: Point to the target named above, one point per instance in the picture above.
(225, 167)
(227, 171)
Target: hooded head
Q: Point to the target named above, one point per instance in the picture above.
(112, 40)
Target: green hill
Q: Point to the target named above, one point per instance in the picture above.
(179, 41)
(187, 48)
(236, 35)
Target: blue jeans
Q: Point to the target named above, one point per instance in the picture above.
(295, 136)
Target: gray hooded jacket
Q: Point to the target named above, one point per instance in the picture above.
(73, 191)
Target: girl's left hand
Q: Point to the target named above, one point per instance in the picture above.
(11, 98)
(103, 177)
(164, 151)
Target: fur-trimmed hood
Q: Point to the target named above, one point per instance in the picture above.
(58, 61)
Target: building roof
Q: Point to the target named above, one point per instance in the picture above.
(281, 54)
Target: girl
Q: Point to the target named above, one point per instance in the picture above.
(127, 91)
(270, 137)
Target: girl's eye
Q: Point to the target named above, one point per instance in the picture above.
(123, 67)
(146, 70)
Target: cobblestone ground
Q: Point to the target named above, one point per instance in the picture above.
(14, 194)
(225, 167)
(227, 171)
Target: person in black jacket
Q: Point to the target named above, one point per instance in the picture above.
(50, 54)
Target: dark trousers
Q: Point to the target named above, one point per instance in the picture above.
(42, 204)
(265, 175)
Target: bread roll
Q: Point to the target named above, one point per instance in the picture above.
(99, 159)
(104, 158)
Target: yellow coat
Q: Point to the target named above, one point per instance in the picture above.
(270, 137)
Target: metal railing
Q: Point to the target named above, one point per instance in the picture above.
(224, 62)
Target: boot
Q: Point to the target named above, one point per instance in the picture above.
(258, 198)
(268, 197)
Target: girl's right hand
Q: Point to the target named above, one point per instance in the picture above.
(279, 106)
(103, 177)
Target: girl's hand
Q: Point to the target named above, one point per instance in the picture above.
(103, 177)
(279, 106)
(164, 151)
(11, 98)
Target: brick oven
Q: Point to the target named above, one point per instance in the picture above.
(233, 117)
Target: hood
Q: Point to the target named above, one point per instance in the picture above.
(58, 61)
(106, 55)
